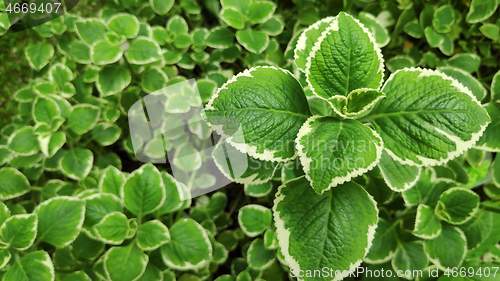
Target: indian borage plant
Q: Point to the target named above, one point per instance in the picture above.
(417, 118)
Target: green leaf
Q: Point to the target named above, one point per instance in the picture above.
(444, 19)
(77, 276)
(106, 133)
(161, 7)
(410, 256)
(273, 26)
(177, 25)
(495, 88)
(241, 168)
(384, 243)
(79, 52)
(152, 234)
(60, 74)
(253, 40)
(4, 213)
(260, 11)
(220, 37)
(448, 249)
(467, 61)
(111, 180)
(45, 110)
(32, 266)
(258, 190)
(333, 230)
(24, 142)
(379, 32)
(414, 29)
(125, 263)
(19, 231)
(143, 50)
(254, 219)
(345, 58)
(124, 24)
(480, 10)
(489, 141)
(97, 206)
(5, 256)
(495, 168)
(77, 163)
(457, 205)
(333, 151)
(431, 99)
(91, 30)
(477, 229)
(465, 79)
(187, 158)
(185, 252)
(113, 228)
(357, 104)
(283, 114)
(83, 118)
(232, 17)
(397, 176)
(427, 226)
(176, 194)
(60, 220)
(13, 184)
(106, 53)
(112, 80)
(258, 256)
(153, 79)
(39, 55)
(491, 31)
(144, 191)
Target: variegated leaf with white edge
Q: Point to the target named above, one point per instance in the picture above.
(334, 151)
(397, 176)
(333, 230)
(431, 100)
(261, 110)
(427, 226)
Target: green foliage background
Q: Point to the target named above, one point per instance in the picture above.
(234, 236)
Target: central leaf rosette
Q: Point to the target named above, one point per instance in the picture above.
(417, 118)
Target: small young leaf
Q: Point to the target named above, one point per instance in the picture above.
(143, 50)
(258, 256)
(152, 234)
(481, 10)
(97, 206)
(397, 176)
(232, 17)
(112, 80)
(91, 30)
(113, 228)
(24, 142)
(260, 11)
(13, 184)
(253, 40)
(60, 220)
(111, 180)
(489, 141)
(45, 110)
(258, 190)
(457, 205)
(220, 37)
(380, 33)
(19, 231)
(83, 118)
(106, 134)
(427, 226)
(254, 219)
(77, 163)
(60, 74)
(161, 7)
(124, 24)
(187, 251)
(144, 191)
(126, 263)
(39, 55)
(106, 53)
(444, 19)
